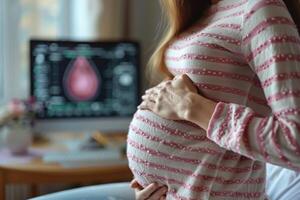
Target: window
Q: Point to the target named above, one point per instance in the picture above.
(21, 20)
(1, 51)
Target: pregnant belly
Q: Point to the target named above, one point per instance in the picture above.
(168, 152)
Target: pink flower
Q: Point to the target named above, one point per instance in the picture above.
(16, 107)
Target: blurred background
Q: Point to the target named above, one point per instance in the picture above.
(67, 20)
(34, 163)
(71, 20)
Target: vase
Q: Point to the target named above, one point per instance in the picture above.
(16, 139)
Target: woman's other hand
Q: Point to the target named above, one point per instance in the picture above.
(178, 99)
(151, 192)
(169, 98)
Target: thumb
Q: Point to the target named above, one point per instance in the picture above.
(134, 184)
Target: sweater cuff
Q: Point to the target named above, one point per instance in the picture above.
(215, 117)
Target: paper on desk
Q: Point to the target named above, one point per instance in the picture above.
(103, 157)
(7, 158)
(74, 164)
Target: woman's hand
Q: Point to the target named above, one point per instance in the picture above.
(151, 192)
(169, 99)
(178, 99)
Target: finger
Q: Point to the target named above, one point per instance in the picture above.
(151, 97)
(159, 86)
(191, 85)
(135, 184)
(177, 80)
(185, 81)
(146, 105)
(186, 78)
(153, 90)
(176, 77)
(163, 197)
(182, 76)
(137, 187)
(149, 91)
(168, 78)
(159, 193)
(147, 191)
(164, 84)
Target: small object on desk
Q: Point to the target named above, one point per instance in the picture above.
(91, 144)
(16, 119)
(86, 158)
(7, 158)
(16, 138)
(100, 138)
(83, 144)
(108, 141)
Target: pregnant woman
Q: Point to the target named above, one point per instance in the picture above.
(233, 105)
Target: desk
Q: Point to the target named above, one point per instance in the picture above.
(37, 172)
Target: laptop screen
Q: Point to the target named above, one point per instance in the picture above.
(72, 79)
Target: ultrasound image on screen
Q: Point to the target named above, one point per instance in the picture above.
(84, 79)
(81, 80)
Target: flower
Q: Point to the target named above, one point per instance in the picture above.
(18, 112)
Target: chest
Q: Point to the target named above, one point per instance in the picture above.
(210, 54)
(213, 40)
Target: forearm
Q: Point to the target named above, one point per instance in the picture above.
(238, 128)
(198, 110)
(273, 139)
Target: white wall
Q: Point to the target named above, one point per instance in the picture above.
(145, 17)
(145, 27)
(10, 61)
(1, 50)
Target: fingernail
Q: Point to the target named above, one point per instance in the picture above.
(153, 184)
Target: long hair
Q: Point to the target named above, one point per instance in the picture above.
(180, 15)
(294, 9)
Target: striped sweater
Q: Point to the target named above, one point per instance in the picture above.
(244, 54)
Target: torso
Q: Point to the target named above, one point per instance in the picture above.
(178, 154)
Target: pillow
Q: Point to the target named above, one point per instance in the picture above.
(282, 184)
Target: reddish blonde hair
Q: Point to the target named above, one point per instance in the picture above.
(181, 14)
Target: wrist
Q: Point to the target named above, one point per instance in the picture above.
(198, 109)
(189, 103)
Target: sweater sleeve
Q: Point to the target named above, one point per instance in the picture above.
(271, 46)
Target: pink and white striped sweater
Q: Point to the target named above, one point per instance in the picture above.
(245, 54)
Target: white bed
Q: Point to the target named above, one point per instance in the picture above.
(282, 184)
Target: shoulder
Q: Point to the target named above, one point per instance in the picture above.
(266, 12)
(258, 4)
(264, 8)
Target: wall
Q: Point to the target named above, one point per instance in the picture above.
(145, 27)
(144, 19)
